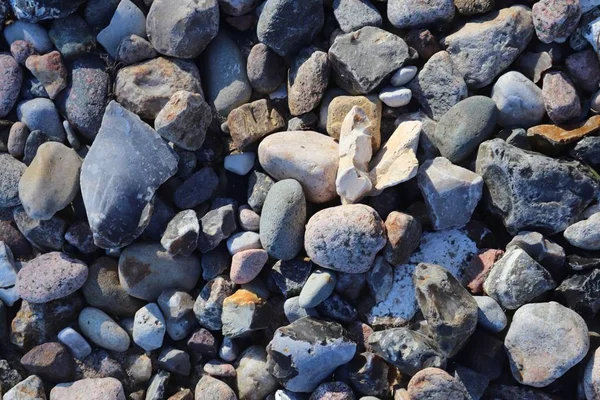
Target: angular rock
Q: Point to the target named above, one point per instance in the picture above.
(50, 71)
(89, 389)
(552, 139)
(585, 234)
(336, 389)
(196, 189)
(214, 389)
(10, 84)
(209, 304)
(560, 97)
(37, 10)
(217, 225)
(41, 114)
(380, 279)
(410, 14)
(72, 36)
(127, 20)
(51, 361)
(244, 312)
(403, 237)
(181, 235)
(555, 20)
(307, 80)
(175, 361)
(102, 330)
(116, 219)
(338, 108)
(580, 293)
(149, 327)
(251, 122)
(47, 234)
(352, 15)
(32, 388)
(134, 49)
(11, 171)
(588, 151)
(290, 276)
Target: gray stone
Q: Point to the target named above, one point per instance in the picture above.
(11, 171)
(588, 151)
(146, 269)
(399, 304)
(308, 78)
(243, 241)
(266, 69)
(181, 235)
(209, 304)
(533, 65)
(518, 180)
(408, 350)
(560, 97)
(127, 20)
(489, 314)
(304, 353)
(585, 234)
(149, 327)
(471, 7)
(352, 15)
(549, 254)
(209, 388)
(336, 389)
(182, 29)
(98, 13)
(34, 141)
(249, 220)
(439, 85)
(196, 189)
(158, 386)
(217, 225)
(484, 47)
(363, 59)
(237, 8)
(175, 361)
(215, 262)
(72, 36)
(37, 10)
(554, 21)
(102, 330)
(134, 49)
(318, 287)
(380, 279)
(337, 308)
(293, 311)
(290, 276)
(10, 84)
(17, 139)
(75, 342)
(253, 379)
(44, 235)
(584, 69)
(8, 269)
(31, 388)
(286, 26)
(516, 279)
(175, 304)
(244, 312)
(590, 378)
(415, 13)
(451, 192)
(119, 204)
(51, 361)
(32, 33)
(259, 185)
(580, 292)
(544, 341)
(41, 114)
(224, 73)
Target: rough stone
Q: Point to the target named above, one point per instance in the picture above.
(580, 293)
(551, 139)
(134, 49)
(435, 384)
(209, 388)
(308, 78)
(11, 171)
(41, 114)
(560, 97)
(43, 235)
(31, 388)
(50, 361)
(149, 327)
(411, 14)
(352, 15)
(251, 122)
(34, 11)
(253, 380)
(10, 84)
(555, 20)
(89, 389)
(209, 304)
(181, 234)
(585, 234)
(339, 107)
(50, 71)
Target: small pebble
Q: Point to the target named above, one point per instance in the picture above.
(149, 327)
(247, 264)
(75, 342)
(403, 76)
(240, 164)
(395, 97)
(319, 286)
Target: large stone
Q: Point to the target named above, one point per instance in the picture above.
(11, 171)
(145, 88)
(182, 29)
(89, 389)
(253, 380)
(544, 341)
(483, 47)
(412, 14)
(309, 157)
(585, 234)
(286, 25)
(51, 361)
(361, 60)
(251, 122)
(118, 195)
(127, 20)
(518, 183)
(304, 353)
(10, 84)
(345, 238)
(37, 10)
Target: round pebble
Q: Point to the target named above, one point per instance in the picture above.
(403, 76)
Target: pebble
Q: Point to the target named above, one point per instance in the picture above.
(32, 33)
(435, 384)
(552, 139)
(395, 97)
(75, 342)
(403, 76)
(214, 388)
(352, 15)
(146, 269)
(315, 348)
(11, 171)
(184, 120)
(127, 20)
(17, 139)
(31, 388)
(472, 7)
(590, 377)
(286, 26)
(308, 78)
(133, 49)
(293, 311)
(10, 84)
(240, 164)
(490, 315)
(175, 361)
(253, 379)
(386, 52)
(411, 13)
(318, 287)
(219, 368)
(21, 50)
(533, 65)
(249, 220)
(337, 111)
(34, 141)
(451, 192)
(50, 361)
(43, 235)
(149, 327)
(544, 341)
(50, 71)
(560, 97)
(41, 114)
(555, 20)
(102, 330)
(403, 235)
(90, 389)
(253, 121)
(579, 294)
(266, 70)
(334, 391)
(49, 277)
(585, 234)
(184, 29)
(181, 234)
(520, 102)
(259, 185)
(354, 234)
(209, 304)
(247, 264)
(380, 279)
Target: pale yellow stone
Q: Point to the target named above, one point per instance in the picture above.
(341, 106)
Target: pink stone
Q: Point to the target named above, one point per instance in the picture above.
(247, 264)
(480, 266)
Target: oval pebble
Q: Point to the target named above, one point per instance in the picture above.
(102, 330)
(403, 76)
(243, 241)
(395, 97)
(319, 286)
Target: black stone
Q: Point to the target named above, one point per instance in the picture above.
(581, 293)
(289, 276)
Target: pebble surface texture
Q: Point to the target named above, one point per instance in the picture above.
(299, 199)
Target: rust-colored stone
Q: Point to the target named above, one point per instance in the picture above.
(552, 138)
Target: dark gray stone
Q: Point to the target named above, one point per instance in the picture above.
(45, 235)
(41, 114)
(209, 304)
(588, 151)
(99, 13)
(37, 10)
(197, 189)
(215, 262)
(134, 49)
(217, 225)
(581, 293)
(11, 170)
(33, 143)
(291, 275)
(181, 235)
(415, 13)
(549, 254)
(336, 308)
(72, 36)
(352, 15)
(266, 70)
(368, 374)
(259, 185)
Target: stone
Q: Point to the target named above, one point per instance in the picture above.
(585, 234)
(520, 102)
(587, 150)
(398, 305)
(146, 269)
(313, 163)
(435, 384)
(551, 139)
(184, 120)
(396, 161)
(380, 279)
(50, 361)
(423, 41)
(240, 164)
(133, 49)
(293, 311)
(181, 235)
(244, 312)
(31, 388)
(361, 60)
(215, 262)
(209, 304)
(158, 386)
(290, 276)
(72, 36)
(318, 287)
(464, 127)
(33, 143)
(403, 237)
(333, 390)
(237, 8)
(217, 225)
(308, 78)
(182, 30)
(251, 122)
(337, 308)
(579, 293)
(149, 327)
(514, 177)
(75, 342)
(485, 46)
(560, 97)
(243, 241)
(79, 235)
(137, 90)
(584, 68)
(588, 31)
(11, 171)
(224, 72)
(219, 368)
(409, 351)
(8, 269)
(10, 84)
(102, 330)
(395, 97)
(210, 388)
(89, 389)
(184, 394)
(368, 374)
(352, 15)
(403, 76)
(266, 70)
(259, 185)
(472, 7)
(247, 264)
(50, 71)
(489, 314)
(41, 114)
(439, 85)
(353, 180)
(196, 189)
(175, 361)
(51, 181)
(127, 20)
(29, 32)
(533, 65)
(517, 279)
(43, 235)
(49, 277)
(544, 341)
(108, 193)
(17, 139)
(411, 14)
(340, 106)
(10, 235)
(286, 26)
(554, 21)
(451, 192)
(345, 238)
(34, 11)
(304, 353)
(253, 379)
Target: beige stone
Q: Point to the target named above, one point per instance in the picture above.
(341, 106)
(253, 121)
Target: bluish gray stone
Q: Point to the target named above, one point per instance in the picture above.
(355, 14)
(293, 311)
(128, 19)
(490, 315)
(32, 33)
(37, 10)
(319, 286)
(102, 330)
(217, 225)
(75, 342)
(197, 189)
(72, 36)
(519, 101)
(416, 13)
(41, 114)
(99, 13)
(149, 327)
(11, 170)
(34, 141)
(42, 234)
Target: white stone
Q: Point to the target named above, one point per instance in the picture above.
(591, 377)
(396, 161)
(8, 270)
(403, 76)
(127, 20)
(400, 305)
(241, 163)
(75, 342)
(355, 151)
(243, 241)
(395, 97)
(149, 327)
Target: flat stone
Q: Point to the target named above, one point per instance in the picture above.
(213, 389)
(89, 389)
(11, 171)
(209, 304)
(10, 84)
(251, 122)
(410, 14)
(560, 97)
(244, 312)
(41, 114)
(585, 234)
(117, 222)
(318, 287)
(361, 60)
(345, 238)
(102, 330)
(435, 384)
(339, 107)
(485, 46)
(149, 327)
(554, 21)
(181, 234)
(352, 15)
(516, 179)
(184, 29)
(395, 97)
(520, 102)
(247, 264)
(127, 20)
(134, 49)
(308, 78)
(553, 138)
(266, 69)
(544, 341)
(253, 379)
(75, 342)
(241, 163)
